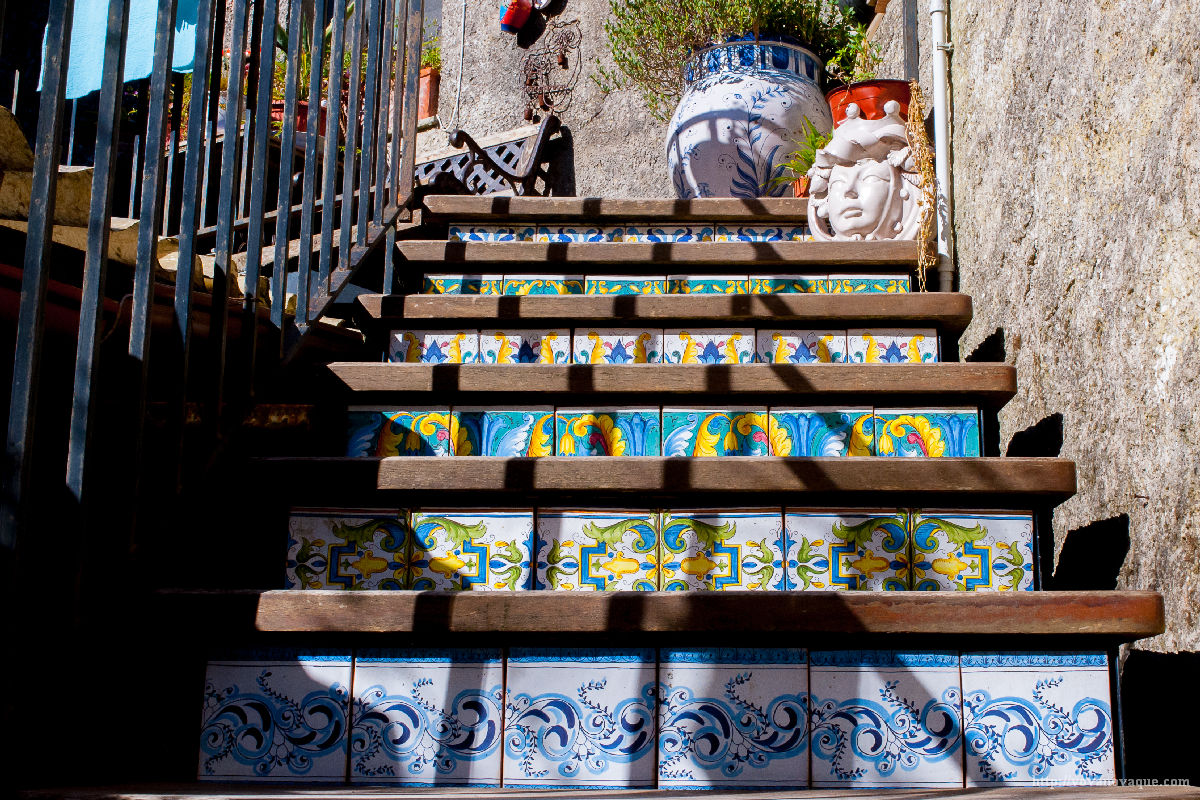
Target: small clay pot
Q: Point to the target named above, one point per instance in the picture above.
(427, 92)
(870, 96)
(800, 186)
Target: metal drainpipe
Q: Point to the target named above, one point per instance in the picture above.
(942, 48)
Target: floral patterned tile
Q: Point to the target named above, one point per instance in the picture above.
(434, 347)
(608, 432)
(883, 718)
(559, 233)
(972, 551)
(927, 432)
(708, 346)
(459, 550)
(337, 549)
(892, 346)
(377, 432)
(580, 718)
(525, 347)
(760, 693)
(462, 284)
(826, 431)
(625, 284)
(596, 550)
(718, 550)
(800, 346)
(542, 284)
(427, 718)
(871, 284)
(763, 233)
(466, 232)
(510, 432)
(1032, 719)
(691, 431)
(859, 549)
(617, 346)
(276, 715)
(788, 284)
(706, 284)
(673, 233)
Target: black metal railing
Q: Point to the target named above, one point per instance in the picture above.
(281, 168)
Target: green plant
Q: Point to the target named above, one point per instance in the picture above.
(304, 64)
(857, 60)
(650, 39)
(431, 53)
(801, 159)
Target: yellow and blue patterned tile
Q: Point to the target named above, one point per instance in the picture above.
(972, 551)
(465, 550)
(379, 433)
(542, 284)
(462, 284)
(434, 347)
(570, 233)
(756, 698)
(927, 432)
(855, 550)
(820, 431)
(580, 718)
(596, 550)
(708, 346)
(763, 233)
(251, 696)
(1037, 719)
(336, 549)
(525, 347)
(888, 346)
(787, 284)
(800, 346)
(508, 432)
(706, 284)
(617, 346)
(719, 550)
(608, 432)
(690, 431)
(675, 233)
(902, 711)
(869, 284)
(625, 284)
(464, 232)
(405, 703)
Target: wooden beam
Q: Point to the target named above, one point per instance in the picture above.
(777, 210)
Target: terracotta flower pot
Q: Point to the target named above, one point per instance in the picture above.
(427, 103)
(301, 116)
(800, 186)
(870, 97)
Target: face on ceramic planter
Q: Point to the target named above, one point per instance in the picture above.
(859, 197)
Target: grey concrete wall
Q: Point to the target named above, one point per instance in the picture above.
(1077, 217)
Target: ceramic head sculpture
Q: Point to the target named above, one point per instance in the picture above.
(864, 182)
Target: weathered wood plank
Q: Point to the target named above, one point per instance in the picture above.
(638, 257)
(949, 312)
(778, 210)
(955, 382)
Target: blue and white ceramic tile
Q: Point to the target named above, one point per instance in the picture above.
(378, 432)
(800, 346)
(336, 549)
(825, 431)
(608, 432)
(691, 431)
(462, 284)
(525, 347)
(870, 284)
(276, 716)
(719, 550)
(1037, 718)
(573, 233)
(787, 284)
(460, 550)
(708, 346)
(927, 432)
(469, 232)
(892, 346)
(734, 718)
(972, 551)
(672, 233)
(427, 717)
(597, 550)
(580, 718)
(883, 718)
(706, 284)
(857, 550)
(625, 284)
(542, 284)
(434, 347)
(617, 346)
(510, 432)
(763, 233)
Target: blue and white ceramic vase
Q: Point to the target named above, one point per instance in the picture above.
(743, 106)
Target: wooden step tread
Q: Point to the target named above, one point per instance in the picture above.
(672, 257)
(949, 312)
(453, 208)
(948, 383)
(805, 480)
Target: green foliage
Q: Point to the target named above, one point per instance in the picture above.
(857, 60)
(650, 39)
(801, 160)
(431, 53)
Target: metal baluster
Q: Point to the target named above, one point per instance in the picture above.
(385, 90)
(286, 164)
(402, 56)
(370, 111)
(333, 104)
(408, 156)
(312, 125)
(352, 125)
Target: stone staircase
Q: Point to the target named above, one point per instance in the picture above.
(724, 651)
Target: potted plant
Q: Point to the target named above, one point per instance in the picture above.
(741, 75)
(855, 67)
(797, 165)
(431, 76)
(304, 67)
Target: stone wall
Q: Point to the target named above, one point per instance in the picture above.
(1077, 216)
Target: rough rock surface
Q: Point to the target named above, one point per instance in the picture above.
(619, 149)
(1077, 217)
